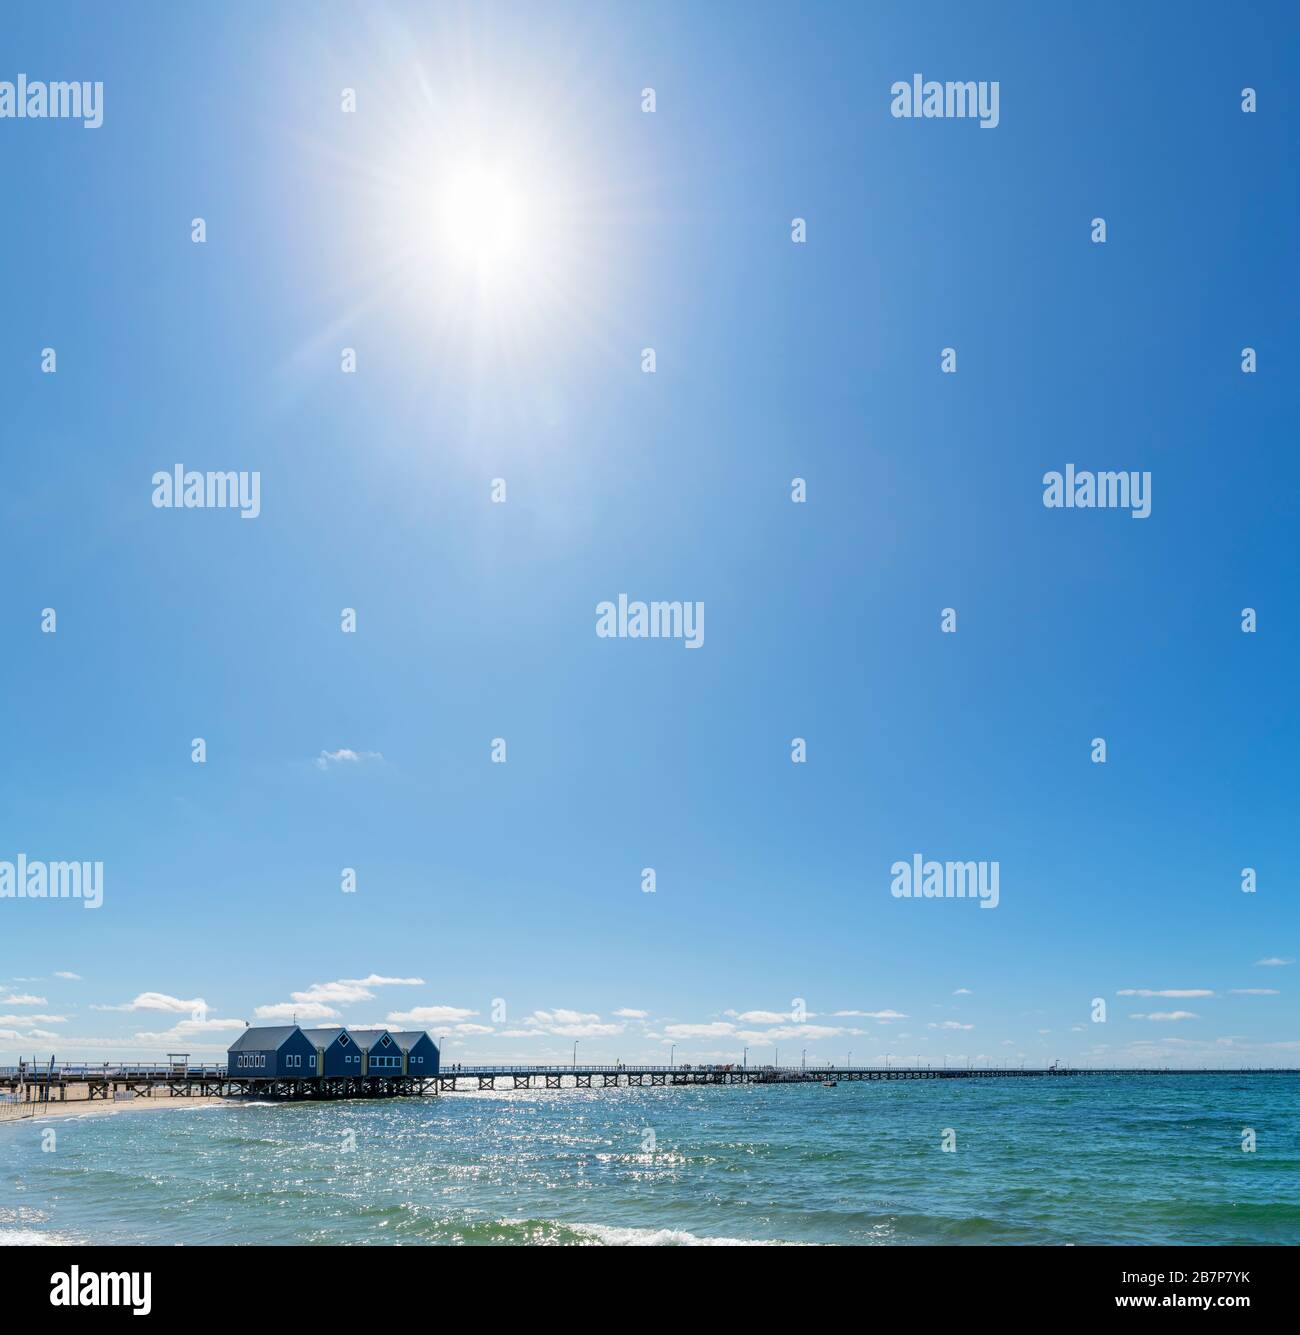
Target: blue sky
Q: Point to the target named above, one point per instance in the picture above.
(668, 230)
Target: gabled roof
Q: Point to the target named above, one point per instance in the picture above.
(266, 1039)
(322, 1038)
(408, 1038)
(368, 1038)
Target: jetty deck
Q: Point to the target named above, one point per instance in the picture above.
(53, 1081)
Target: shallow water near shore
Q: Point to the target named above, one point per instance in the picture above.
(1134, 1159)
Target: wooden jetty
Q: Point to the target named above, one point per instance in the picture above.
(52, 1081)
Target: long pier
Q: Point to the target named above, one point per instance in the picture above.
(50, 1082)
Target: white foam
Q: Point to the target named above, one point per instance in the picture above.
(26, 1237)
(610, 1236)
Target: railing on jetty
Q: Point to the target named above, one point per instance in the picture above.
(52, 1081)
(99, 1070)
(604, 1077)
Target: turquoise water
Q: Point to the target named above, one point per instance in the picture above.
(1089, 1160)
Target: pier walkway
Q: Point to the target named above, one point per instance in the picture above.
(52, 1081)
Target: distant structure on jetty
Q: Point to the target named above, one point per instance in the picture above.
(333, 1063)
(285, 1062)
(288, 1062)
(288, 1052)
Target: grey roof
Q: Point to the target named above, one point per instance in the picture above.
(322, 1038)
(268, 1038)
(367, 1038)
(408, 1038)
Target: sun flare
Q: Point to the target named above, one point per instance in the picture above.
(483, 219)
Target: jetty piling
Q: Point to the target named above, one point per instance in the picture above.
(103, 1081)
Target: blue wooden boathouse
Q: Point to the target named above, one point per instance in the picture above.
(342, 1061)
(279, 1051)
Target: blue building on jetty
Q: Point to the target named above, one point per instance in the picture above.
(421, 1051)
(275, 1052)
(381, 1055)
(336, 1051)
(280, 1052)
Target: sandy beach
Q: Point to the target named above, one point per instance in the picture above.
(79, 1104)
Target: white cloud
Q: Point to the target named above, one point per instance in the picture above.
(547, 1018)
(951, 1024)
(585, 1030)
(344, 756)
(186, 1029)
(572, 1024)
(33, 1019)
(627, 1014)
(809, 1033)
(348, 991)
(963, 992)
(1167, 1015)
(870, 1015)
(158, 1001)
(1273, 962)
(1164, 992)
(561, 1023)
(343, 992)
(424, 1015)
(71, 977)
(1255, 992)
(75, 1045)
(295, 1012)
(21, 999)
(715, 1029)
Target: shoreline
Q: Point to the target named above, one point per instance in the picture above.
(57, 1109)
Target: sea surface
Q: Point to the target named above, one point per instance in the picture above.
(1130, 1159)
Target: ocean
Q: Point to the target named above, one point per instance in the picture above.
(1130, 1159)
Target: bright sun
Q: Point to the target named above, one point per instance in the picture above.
(483, 220)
